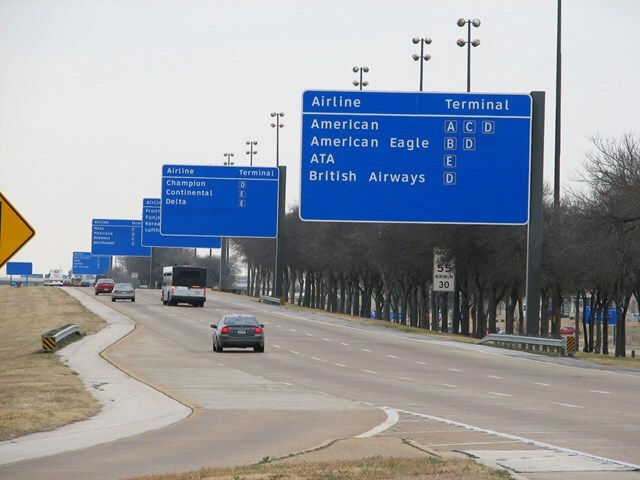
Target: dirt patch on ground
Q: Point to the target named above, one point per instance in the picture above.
(37, 392)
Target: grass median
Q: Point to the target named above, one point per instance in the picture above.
(37, 392)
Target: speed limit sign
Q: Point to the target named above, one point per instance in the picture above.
(444, 272)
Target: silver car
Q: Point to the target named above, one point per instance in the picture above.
(123, 291)
(238, 331)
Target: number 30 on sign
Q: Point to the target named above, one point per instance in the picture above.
(444, 271)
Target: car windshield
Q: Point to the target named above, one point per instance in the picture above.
(123, 286)
(240, 321)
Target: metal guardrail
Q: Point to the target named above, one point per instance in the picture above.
(530, 344)
(272, 300)
(53, 339)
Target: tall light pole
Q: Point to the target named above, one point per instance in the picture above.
(277, 126)
(469, 43)
(251, 152)
(422, 57)
(228, 157)
(360, 70)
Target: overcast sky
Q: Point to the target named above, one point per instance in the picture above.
(97, 95)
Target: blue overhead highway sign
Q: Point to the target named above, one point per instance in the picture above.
(415, 157)
(151, 236)
(219, 201)
(19, 268)
(118, 237)
(84, 263)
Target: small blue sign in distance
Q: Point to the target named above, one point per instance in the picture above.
(118, 237)
(612, 316)
(219, 201)
(19, 268)
(415, 157)
(151, 236)
(84, 263)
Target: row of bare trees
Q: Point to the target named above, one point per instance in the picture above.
(591, 255)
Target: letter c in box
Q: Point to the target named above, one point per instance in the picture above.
(469, 126)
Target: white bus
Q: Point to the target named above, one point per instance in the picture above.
(55, 278)
(184, 284)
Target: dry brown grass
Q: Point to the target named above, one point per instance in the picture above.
(374, 468)
(37, 392)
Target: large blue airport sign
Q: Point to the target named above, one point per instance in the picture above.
(219, 201)
(151, 236)
(19, 268)
(415, 157)
(118, 237)
(84, 263)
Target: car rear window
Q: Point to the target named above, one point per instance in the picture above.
(240, 321)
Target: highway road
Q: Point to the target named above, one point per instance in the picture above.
(322, 378)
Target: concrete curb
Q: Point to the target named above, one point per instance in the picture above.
(129, 407)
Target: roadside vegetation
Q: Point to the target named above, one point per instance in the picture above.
(37, 392)
(375, 468)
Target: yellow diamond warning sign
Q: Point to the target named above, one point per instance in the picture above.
(15, 232)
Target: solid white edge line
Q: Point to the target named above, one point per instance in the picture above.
(392, 419)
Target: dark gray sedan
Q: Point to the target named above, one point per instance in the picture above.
(238, 331)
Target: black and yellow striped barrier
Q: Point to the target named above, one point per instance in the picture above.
(52, 340)
(571, 345)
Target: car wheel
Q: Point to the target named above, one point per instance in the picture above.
(113, 299)
(133, 299)
(259, 349)
(96, 293)
(219, 349)
(214, 346)
(164, 302)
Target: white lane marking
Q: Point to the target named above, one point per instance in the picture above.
(455, 370)
(279, 326)
(568, 405)
(447, 385)
(392, 419)
(322, 393)
(406, 378)
(495, 376)
(309, 335)
(277, 346)
(422, 363)
(371, 372)
(500, 394)
(600, 391)
(287, 384)
(542, 384)
(292, 330)
(518, 439)
(318, 359)
(392, 356)
(295, 353)
(326, 339)
(345, 344)
(366, 350)
(340, 365)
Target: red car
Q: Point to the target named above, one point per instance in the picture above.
(567, 330)
(104, 285)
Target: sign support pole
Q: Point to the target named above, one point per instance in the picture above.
(534, 231)
(282, 195)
